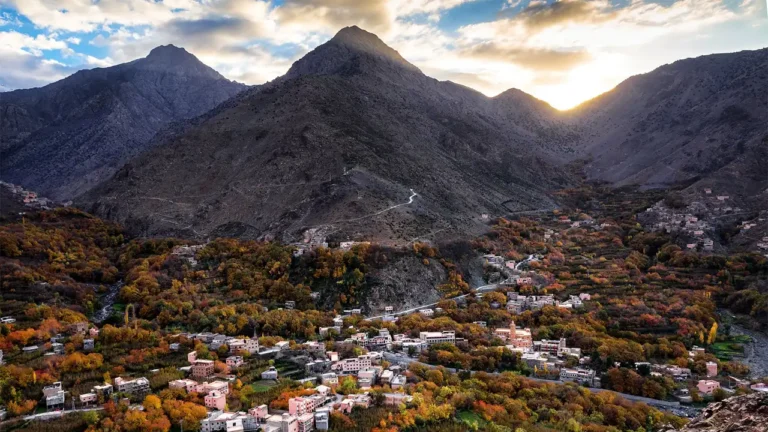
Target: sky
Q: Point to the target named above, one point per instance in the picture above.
(563, 52)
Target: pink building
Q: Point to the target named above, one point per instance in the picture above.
(216, 400)
(708, 387)
(711, 369)
(306, 422)
(186, 384)
(202, 368)
(234, 362)
(515, 337)
(260, 413)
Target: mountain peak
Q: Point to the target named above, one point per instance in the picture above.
(169, 53)
(343, 54)
(176, 60)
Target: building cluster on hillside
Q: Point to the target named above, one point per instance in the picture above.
(237, 345)
(304, 414)
(685, 223)
(543, 354)
(518, 303)
(29, 198)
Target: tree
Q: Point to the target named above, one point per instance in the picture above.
(719, 394)
(712, 334)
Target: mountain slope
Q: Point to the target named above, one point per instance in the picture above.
(685, 120)
(64, 138)
(338, 144)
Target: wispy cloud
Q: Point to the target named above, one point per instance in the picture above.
(561, 51)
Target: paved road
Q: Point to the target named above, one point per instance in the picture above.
(664, 405)
(480, 289)
(56, 414)
(483, 288)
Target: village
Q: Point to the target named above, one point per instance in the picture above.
(552, 311)
(383, 362)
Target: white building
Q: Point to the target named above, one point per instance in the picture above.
(431, 338)
(577, 375)
(269, 374)
(134, 386)
(352, 365)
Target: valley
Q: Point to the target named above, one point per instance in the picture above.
(358, 246)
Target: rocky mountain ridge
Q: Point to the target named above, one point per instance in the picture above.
(66, 137)
(353, 140)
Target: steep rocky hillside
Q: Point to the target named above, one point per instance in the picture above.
(747, 413)
(66, 137)
(689, 119)
(353, 140)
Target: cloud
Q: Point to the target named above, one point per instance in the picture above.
(23, 63)
(562, 51)
(530, 58)
(541, 15)
(323, 15)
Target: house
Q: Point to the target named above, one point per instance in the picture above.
(260, 413)
(192, 357)
(174, 346)
(711, 369)
(186, 384)
(318, 366)
(524, 281)
(88, 344)
(134, 386)
(78, 327)
(352, 365)
(229, 422)
(269, 374)
(57, 347)
(323, 390)
(306, 422)
(426, 312)
(234, 362)
(105, 390)
(216, 400)
(330, 379)
(577, 375)
(54, 396)
(386, 377)
(202, 368)
(290, 305)
(208, 387)
(553, 347)
(432, 338)
(236, 345)
(282, 345)
(397, 381)
(759, 387)
(322, 420)
(395, 399)
(482, 324)
(29, 349)
(283, 423)
(357, 400)
(7, 320)
(87, 399)
(514, 336)
(707, 387)
(303, 404)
